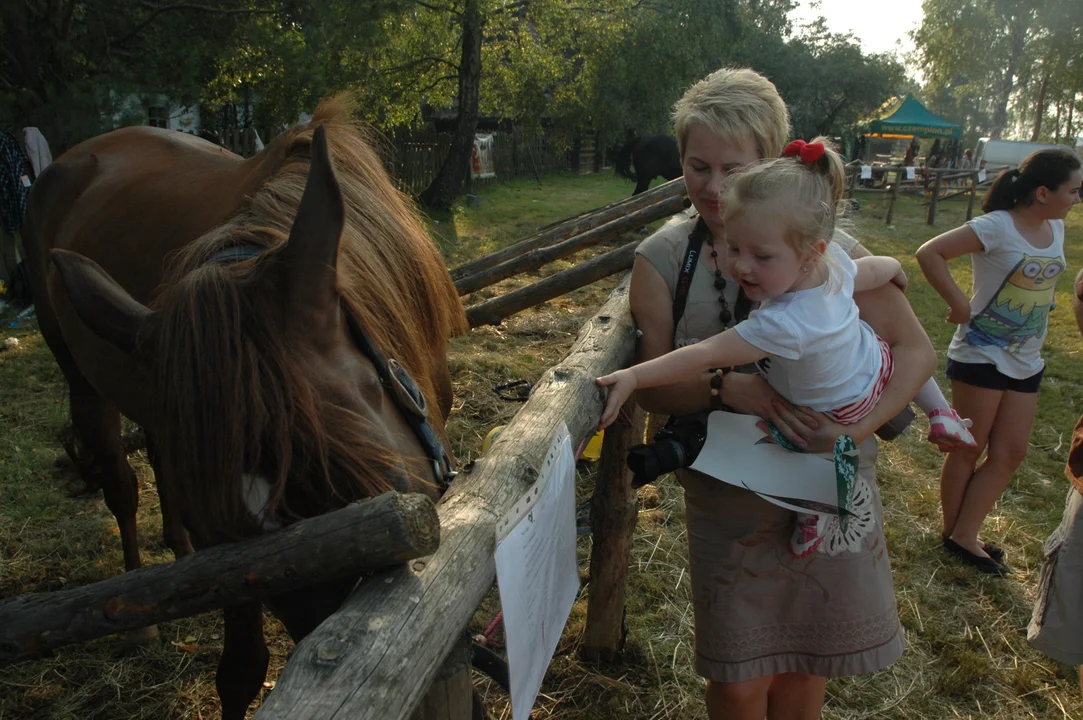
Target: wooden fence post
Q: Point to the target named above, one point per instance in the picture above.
(973, 192)
(932, 201)
(894, 196)
(613, 513)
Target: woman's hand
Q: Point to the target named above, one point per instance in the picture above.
(751, 395)
(748, 394)
(811, 431)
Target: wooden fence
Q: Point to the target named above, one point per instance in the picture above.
(936, 184)
(413, 159)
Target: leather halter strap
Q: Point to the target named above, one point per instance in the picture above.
(394, 378)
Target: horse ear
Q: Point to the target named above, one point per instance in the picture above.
(106, 308)
(311, 252)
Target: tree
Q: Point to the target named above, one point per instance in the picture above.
(63, 62)
(979, 50)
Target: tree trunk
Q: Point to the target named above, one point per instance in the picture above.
(1071, 108)
(449, 181)
(1040, 109)
(1018, 34)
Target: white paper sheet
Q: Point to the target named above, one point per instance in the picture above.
(866, 172)
(909, 172)
(537, 573)
(737, 452)
(981, 176)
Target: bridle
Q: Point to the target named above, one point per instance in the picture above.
(394, 378)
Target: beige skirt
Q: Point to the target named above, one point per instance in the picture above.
(1056, 628)
(761, 611)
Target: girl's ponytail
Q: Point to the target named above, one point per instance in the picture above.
(820, 156)
(1049, 168)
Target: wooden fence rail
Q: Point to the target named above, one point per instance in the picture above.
(387, 530)
(377, 656)
(535, 258)
(565, 229)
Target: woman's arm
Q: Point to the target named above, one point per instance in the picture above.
(652, 309)
(876, 270)
(1077, 304)
(933, 258)
(887, 311)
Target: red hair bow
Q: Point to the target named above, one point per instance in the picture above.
(808, 152)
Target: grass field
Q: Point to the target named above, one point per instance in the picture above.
(967, 655)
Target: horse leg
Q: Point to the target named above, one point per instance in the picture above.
(96, 422)
(173, 532)
(302, 610)
(243, 665)
(643, 184)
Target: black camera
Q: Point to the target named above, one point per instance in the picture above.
(675, 446)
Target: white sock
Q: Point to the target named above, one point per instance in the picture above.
(930, 398)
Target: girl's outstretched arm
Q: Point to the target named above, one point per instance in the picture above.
(933, 258)
(722, 350)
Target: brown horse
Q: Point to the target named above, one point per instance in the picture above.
(217, 302)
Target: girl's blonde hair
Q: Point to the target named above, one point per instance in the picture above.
(807, 196)
(735, 103)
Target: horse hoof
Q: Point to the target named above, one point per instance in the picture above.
(142, 637)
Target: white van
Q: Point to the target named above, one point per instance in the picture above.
(1007, 153)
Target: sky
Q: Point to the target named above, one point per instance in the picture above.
(879, 24)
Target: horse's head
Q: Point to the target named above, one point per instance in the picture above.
(268, 408)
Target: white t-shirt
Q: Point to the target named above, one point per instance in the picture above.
(1013, 293)
(822, 354)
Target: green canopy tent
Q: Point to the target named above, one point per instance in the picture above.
(905, 117)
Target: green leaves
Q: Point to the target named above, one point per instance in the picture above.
(986, 63)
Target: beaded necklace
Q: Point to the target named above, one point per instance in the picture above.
(719, 284)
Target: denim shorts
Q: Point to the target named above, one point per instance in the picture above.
(986, 375)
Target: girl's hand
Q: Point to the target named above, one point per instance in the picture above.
(621, 385)
(899, 280)
(959, 315)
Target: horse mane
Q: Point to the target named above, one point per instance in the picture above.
(235, 396)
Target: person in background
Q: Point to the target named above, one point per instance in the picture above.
(994, 362)
(1056, 627)
(770, 628)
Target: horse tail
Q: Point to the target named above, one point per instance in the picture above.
(623, 164)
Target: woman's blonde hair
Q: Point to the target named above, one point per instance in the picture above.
(734, 103)
(806, 195)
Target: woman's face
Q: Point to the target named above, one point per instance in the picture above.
(1058, 202)
(708, 159)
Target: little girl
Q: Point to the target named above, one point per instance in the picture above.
(779, 217)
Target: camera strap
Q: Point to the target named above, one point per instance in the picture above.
(684, 281)
(688, 268)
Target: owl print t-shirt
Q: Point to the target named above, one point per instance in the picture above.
(1013, 293)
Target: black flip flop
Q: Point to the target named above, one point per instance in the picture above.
(994, 551)
(982, 564)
